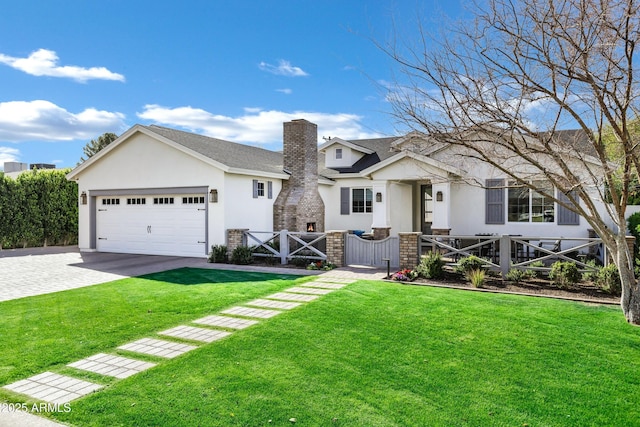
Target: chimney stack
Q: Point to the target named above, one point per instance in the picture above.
(299, 206)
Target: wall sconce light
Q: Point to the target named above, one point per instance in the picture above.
(439, 196)
(378, 197)
(213, 196)
(83, 198)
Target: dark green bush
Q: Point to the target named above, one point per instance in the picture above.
(218, 254)
(633, 222)
(608, 279)
(430, 266)
(564, 274)
(470, 263)
(242, 255)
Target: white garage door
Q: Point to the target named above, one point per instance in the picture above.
(152, 224)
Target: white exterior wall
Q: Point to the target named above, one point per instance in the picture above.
(142, 162)
(242, 210)
(349, 157)
(331, 198)
(401, 212)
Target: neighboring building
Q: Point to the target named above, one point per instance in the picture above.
(13, 169)
(162, 191)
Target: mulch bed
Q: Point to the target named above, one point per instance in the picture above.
(535, 287)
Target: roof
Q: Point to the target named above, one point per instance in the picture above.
(380, 148)
(231, 154)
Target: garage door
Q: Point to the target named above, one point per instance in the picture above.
(169, 224)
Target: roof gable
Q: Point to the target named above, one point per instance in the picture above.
(228, 156)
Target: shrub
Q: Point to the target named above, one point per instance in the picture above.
(430, 266)
(300, 261)
(536, 273)
(633, 222)
(608, 279)
(470, 263)
(564, 274)
(218, 254)
(242, 255)
(516, 275)
(591, 275)
(476, 277)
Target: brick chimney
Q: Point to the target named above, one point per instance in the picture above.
(299, 206)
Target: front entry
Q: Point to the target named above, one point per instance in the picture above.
(426, 208)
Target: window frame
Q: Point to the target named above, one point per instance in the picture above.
(338, 154)
(367, 200)
(529, 203)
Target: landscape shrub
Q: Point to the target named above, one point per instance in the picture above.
(633, 222)
(608, 279)
(431, 266)
(404, 275)
(218, 254)
(470, 263)
(242, 255)
(536, 273)
(591, 275)
(321, 265)
(516, 275)
(564, 274)
(476, 277)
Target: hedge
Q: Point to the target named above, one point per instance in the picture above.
(38, 208)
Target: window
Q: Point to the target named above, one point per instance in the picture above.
(526, 205)
(192, 200)
(163, 200)
(262, 189)
(110, 201)
(137, 201)
(338, 153)
(361, 200)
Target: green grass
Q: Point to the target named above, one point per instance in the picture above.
(372, 354)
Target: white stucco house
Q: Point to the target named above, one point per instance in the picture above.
(163, 191)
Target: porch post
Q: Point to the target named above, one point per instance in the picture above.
(441, 206)
(336, 240)
(381, 205)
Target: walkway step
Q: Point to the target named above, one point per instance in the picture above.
(335, 280)
(160, 348)
(310, 291)
(112, 366)
(53, 388)
(324, 285)
(283, 305)
(195, 334)
(292, 297)
(251, 312)
(226, 322)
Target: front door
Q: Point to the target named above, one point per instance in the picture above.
(426, 208)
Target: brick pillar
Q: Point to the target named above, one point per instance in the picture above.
(235, 238)
(409, 249)
(335, 247)
(381, 233)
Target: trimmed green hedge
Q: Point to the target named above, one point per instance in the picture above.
(39, 208)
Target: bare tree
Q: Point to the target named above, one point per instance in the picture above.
(502, 86)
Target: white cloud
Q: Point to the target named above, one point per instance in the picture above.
(262, 127)
(44, 62)
(286, 91)
(284, 68)
(44, 121)
(8, 155)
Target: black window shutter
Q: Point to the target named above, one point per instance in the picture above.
(567, 216)
(494, 201)
(255, 188)
(344, 200)
(270, 189)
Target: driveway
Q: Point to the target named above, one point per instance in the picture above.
(35, 271)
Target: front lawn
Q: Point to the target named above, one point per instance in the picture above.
(372, 354)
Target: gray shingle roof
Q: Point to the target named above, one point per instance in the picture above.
(381, 148)
(231, 154)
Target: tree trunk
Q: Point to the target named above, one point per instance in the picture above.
(630, 298)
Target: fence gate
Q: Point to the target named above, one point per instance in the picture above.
(372, 252)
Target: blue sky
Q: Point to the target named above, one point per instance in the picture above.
(71, 70)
